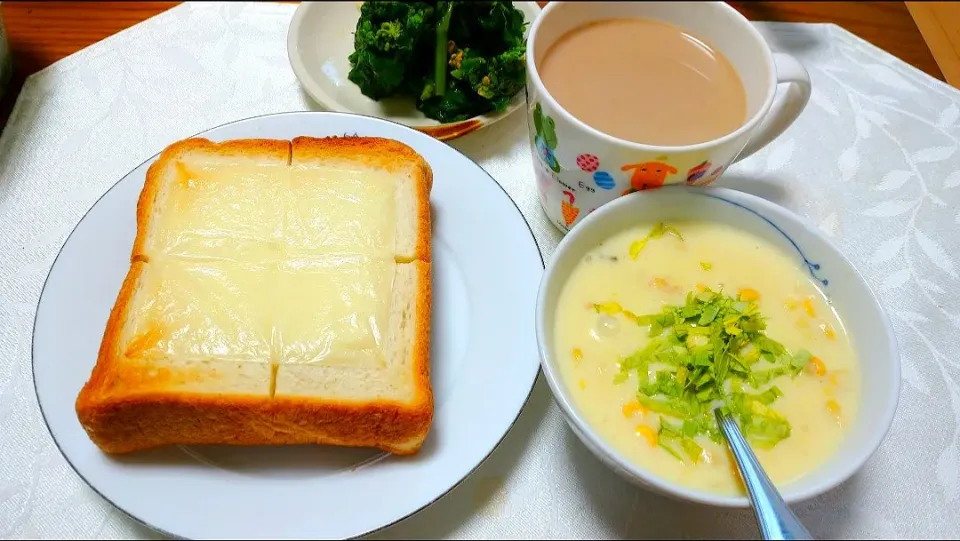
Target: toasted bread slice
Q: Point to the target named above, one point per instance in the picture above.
(312, 196)
(279, 293)
(389, 170)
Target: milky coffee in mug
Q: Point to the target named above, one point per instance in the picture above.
(628, 96)
(644, 81)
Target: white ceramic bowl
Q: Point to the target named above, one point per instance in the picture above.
(859, 309)
(319, 41)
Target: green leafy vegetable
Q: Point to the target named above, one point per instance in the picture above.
(385, 40)
(457, 59)
(701, 356)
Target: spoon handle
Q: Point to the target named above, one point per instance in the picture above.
(776, 519)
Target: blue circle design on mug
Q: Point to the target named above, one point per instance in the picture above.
(604, 180)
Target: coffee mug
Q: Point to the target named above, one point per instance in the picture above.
(579, 168)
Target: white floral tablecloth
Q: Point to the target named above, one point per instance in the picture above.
(874, 160)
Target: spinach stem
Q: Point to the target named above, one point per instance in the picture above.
(440, 66)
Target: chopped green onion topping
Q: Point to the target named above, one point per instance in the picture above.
(659, 230)
(704, 355)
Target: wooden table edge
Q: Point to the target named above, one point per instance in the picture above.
(935, 20)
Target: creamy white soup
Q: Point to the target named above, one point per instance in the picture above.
(663, 323)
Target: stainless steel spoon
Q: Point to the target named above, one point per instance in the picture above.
(775, 518)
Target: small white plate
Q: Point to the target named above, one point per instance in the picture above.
(484, 361)
(319, 41)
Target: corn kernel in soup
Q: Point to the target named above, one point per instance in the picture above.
(664, 322)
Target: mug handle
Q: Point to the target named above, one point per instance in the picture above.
(786, 108)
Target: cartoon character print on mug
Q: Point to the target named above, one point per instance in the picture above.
(648, 175)
(545, 138)
(552, 190)
(572, 182)
(702, 174)
(642, 176)
(590, 163)
(564, 191)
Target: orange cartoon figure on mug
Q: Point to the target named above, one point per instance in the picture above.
(567, 208)
(648, 175)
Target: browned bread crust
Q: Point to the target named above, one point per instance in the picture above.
(128, 405)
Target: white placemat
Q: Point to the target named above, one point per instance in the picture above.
(875, 160)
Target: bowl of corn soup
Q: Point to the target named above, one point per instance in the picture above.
(667, 304)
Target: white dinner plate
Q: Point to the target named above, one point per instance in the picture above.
(484, 361)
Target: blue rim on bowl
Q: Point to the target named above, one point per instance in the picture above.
(858, 306)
